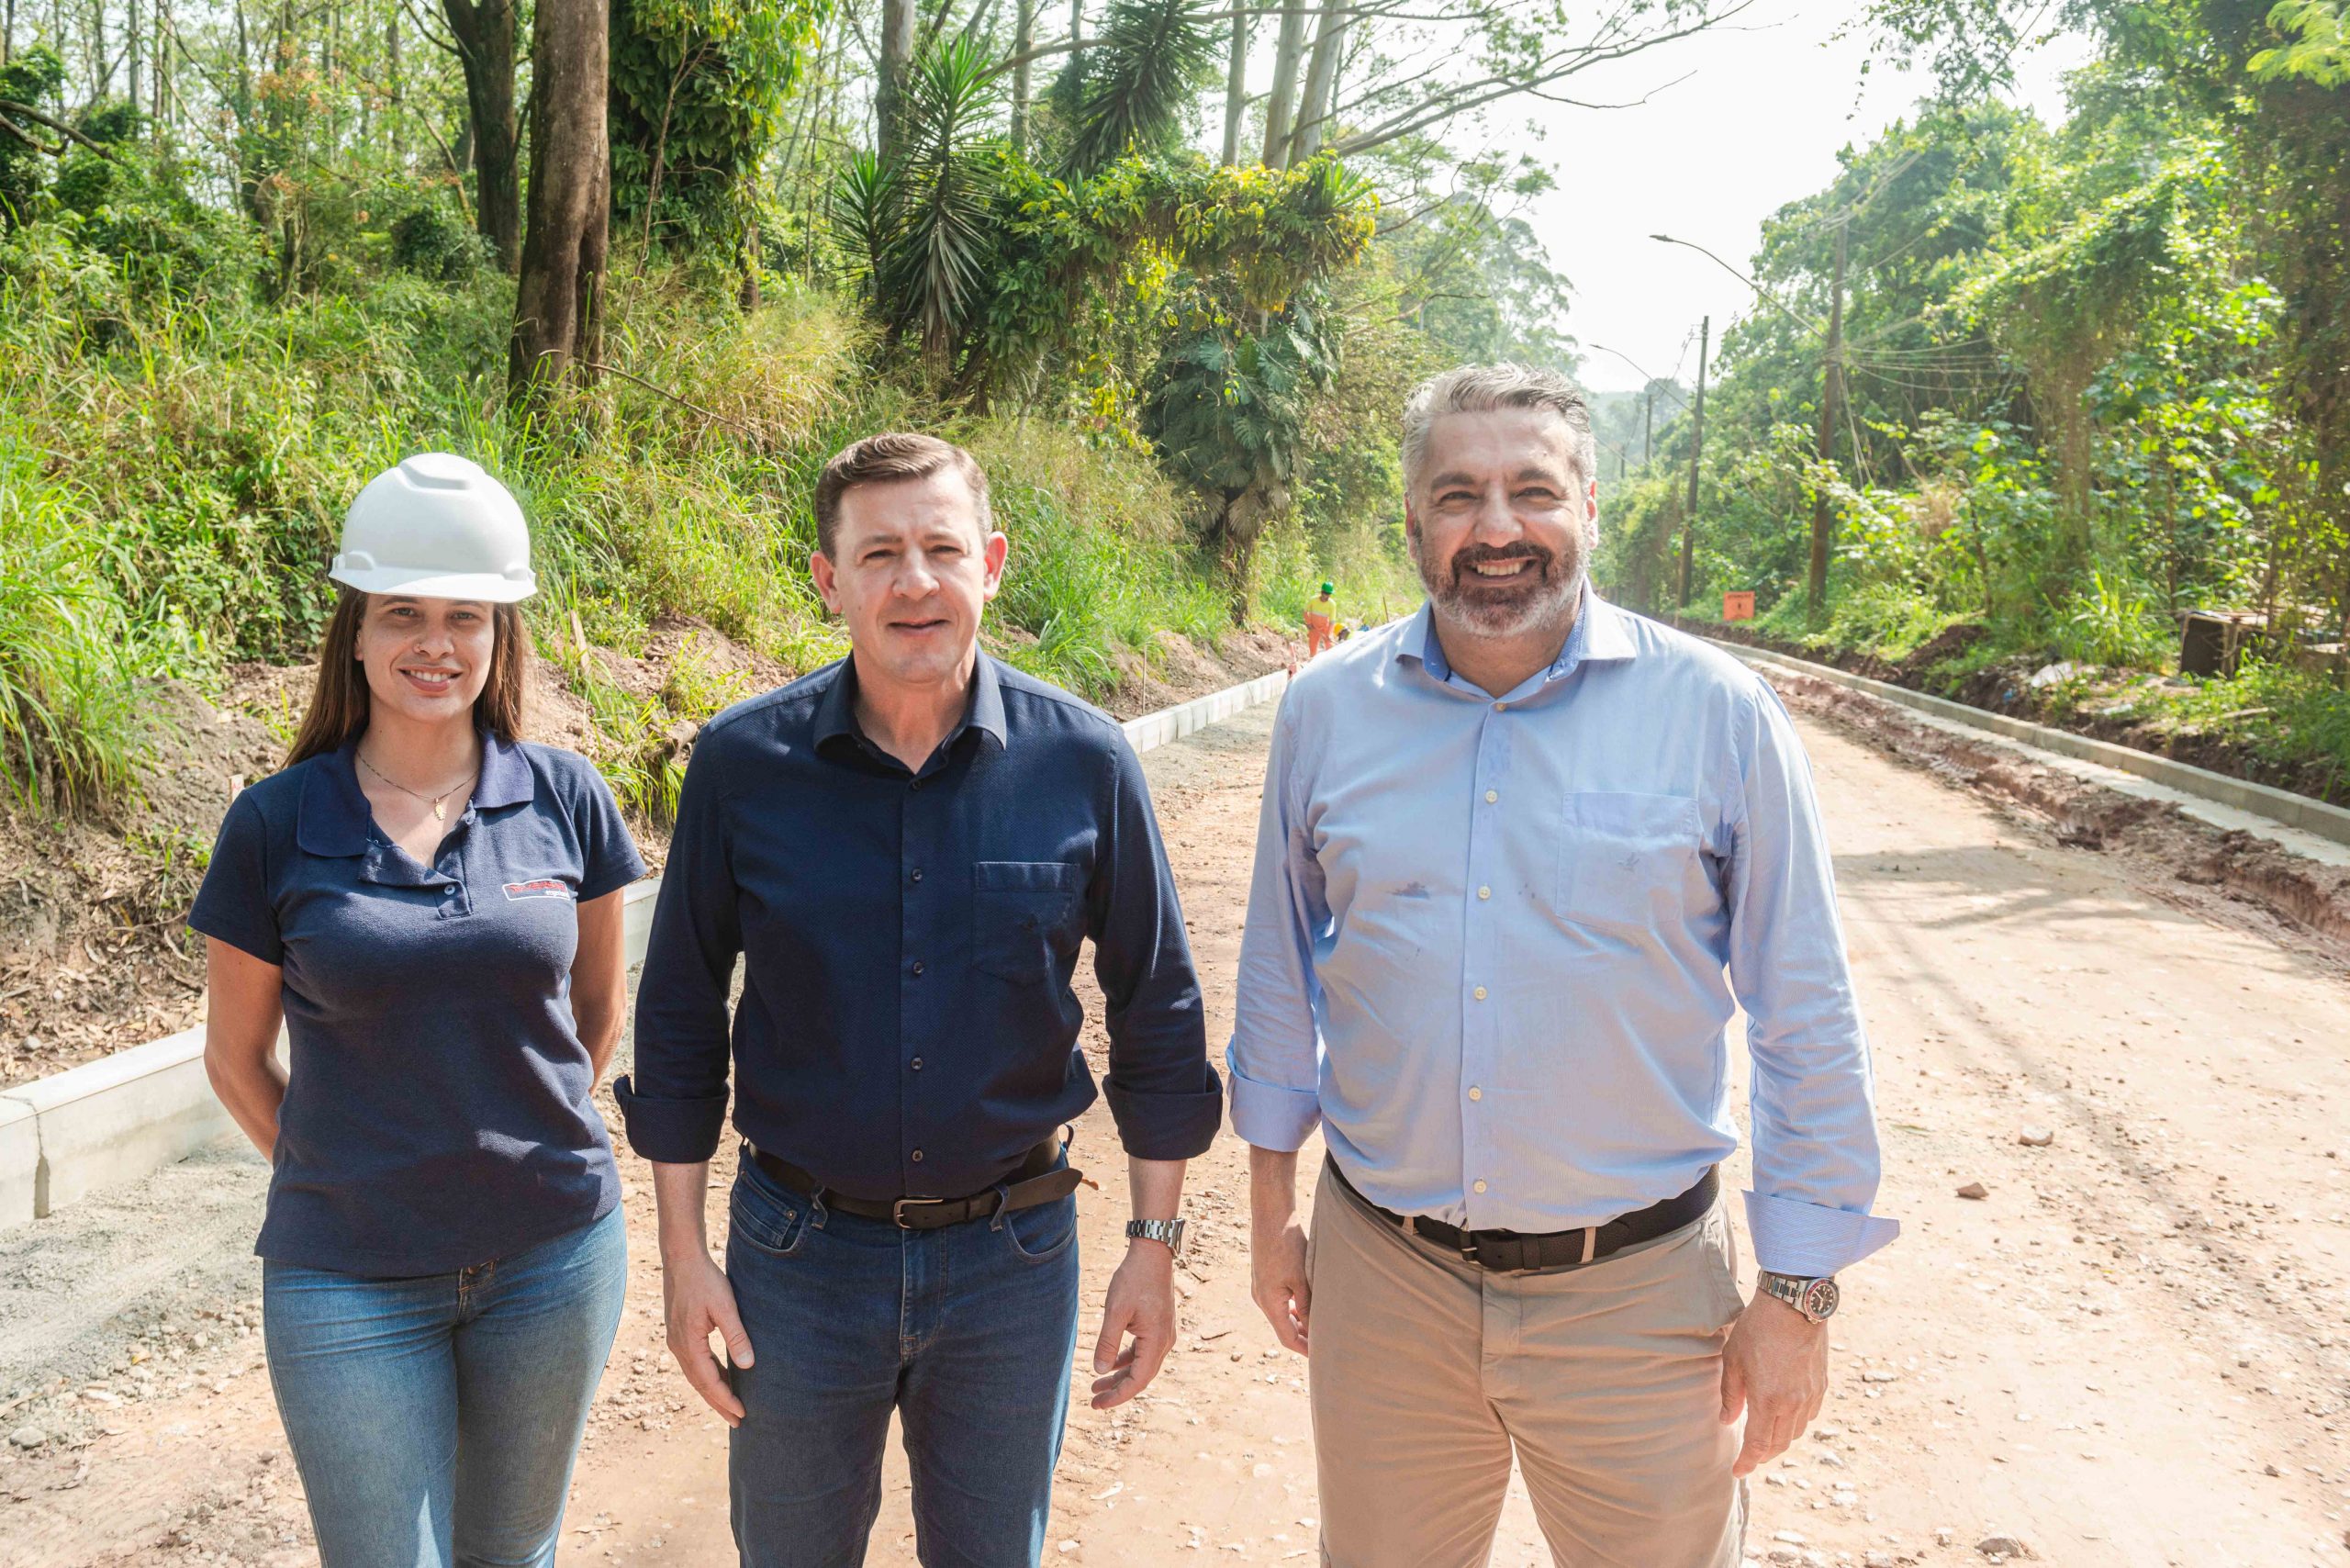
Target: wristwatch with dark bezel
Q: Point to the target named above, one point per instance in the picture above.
(1816, 1299)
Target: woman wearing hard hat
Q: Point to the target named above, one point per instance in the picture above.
(433, 906)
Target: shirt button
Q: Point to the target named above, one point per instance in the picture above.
(1479, 993)
(918, 1161)
(917, 968)
(917, 784)
(1491, 797)
(917, 1064)
(1501, 707)
(1475, 1092)
(1485, 892)
(1481, 1186)
(917, 876)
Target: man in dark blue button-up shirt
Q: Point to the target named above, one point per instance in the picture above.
(907, 850)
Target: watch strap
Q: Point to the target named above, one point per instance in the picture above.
(1168, 1233)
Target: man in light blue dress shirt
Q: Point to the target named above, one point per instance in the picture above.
(1521, 858)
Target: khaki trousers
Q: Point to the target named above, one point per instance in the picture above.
(1426, 1371)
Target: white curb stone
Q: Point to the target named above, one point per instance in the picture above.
(117, 1118)
(19, 1162)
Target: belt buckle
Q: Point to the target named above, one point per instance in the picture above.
(898, 1209)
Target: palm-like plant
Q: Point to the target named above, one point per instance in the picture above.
(1142, 72)
(917, 227)
(1228, 410)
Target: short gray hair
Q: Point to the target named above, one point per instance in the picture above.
(1483, 389)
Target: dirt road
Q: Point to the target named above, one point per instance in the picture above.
(2135, 1349)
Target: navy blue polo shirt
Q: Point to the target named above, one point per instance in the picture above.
(906, 1026)
(436, 1114)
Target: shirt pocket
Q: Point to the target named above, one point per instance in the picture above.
(1024, 916)
(1625, 859)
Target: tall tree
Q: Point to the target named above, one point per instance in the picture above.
(484, 34)
(895, 64)
(1288, 45)
(1023, 38)
(1316, 104)
(559, 301)
(1235, 84)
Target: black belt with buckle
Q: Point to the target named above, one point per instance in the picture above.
(1035, 1182)
(1511, 1251)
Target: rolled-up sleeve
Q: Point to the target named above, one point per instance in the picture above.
(1815, 1159)
(674, 1103)
(1163, 1094)
(1274, 1057)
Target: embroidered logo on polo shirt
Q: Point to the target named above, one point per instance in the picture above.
(544, 887)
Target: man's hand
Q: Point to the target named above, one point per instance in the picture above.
(698, 1300)
(1141, 1303)
(1775, 1369)
(1277, 1246)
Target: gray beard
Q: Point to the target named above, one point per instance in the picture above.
(1551, 608)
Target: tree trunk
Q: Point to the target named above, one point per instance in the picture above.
(559, 301)
(1023, 38)
(898, 18)
(1280, 109)
(1236, 85)
(395, 99)
(131, 48)
(1321, 83)
(159, 71)
(484, 35)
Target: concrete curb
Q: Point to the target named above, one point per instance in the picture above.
(123, 1117)
(2235, 795)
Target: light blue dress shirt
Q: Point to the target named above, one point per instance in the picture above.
(1494, 944)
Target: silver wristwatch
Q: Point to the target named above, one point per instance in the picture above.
(1816, 1299)
(1168, 1233)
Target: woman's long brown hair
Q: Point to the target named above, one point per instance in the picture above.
(339, 702)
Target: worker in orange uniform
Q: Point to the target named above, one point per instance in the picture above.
(1319, 615)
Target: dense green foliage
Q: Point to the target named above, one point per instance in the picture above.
(246, 259)
(2095, 375)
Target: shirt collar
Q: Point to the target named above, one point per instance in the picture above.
(335, 817)
(836, 709)
(1600, 636)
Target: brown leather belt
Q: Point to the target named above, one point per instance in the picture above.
(1511, 1251)
(1035, 1182)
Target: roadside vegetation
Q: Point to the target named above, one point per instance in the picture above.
(2092, 378)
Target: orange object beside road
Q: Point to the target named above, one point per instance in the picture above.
(1737, 607)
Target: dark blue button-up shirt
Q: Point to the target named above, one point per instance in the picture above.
(906, 1026)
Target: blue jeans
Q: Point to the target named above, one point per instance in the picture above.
(966, 1331)
(434, 1420)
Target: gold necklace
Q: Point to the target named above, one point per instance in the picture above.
(440, 812)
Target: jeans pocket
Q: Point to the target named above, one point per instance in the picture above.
(1042, 1232)
(766, 1217)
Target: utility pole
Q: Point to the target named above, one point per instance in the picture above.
(1832, 388)
(1696, 450)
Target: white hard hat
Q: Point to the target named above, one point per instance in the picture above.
(439, 527)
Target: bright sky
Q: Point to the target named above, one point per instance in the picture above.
(1758, 124)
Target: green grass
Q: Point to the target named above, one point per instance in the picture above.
(174, 467)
